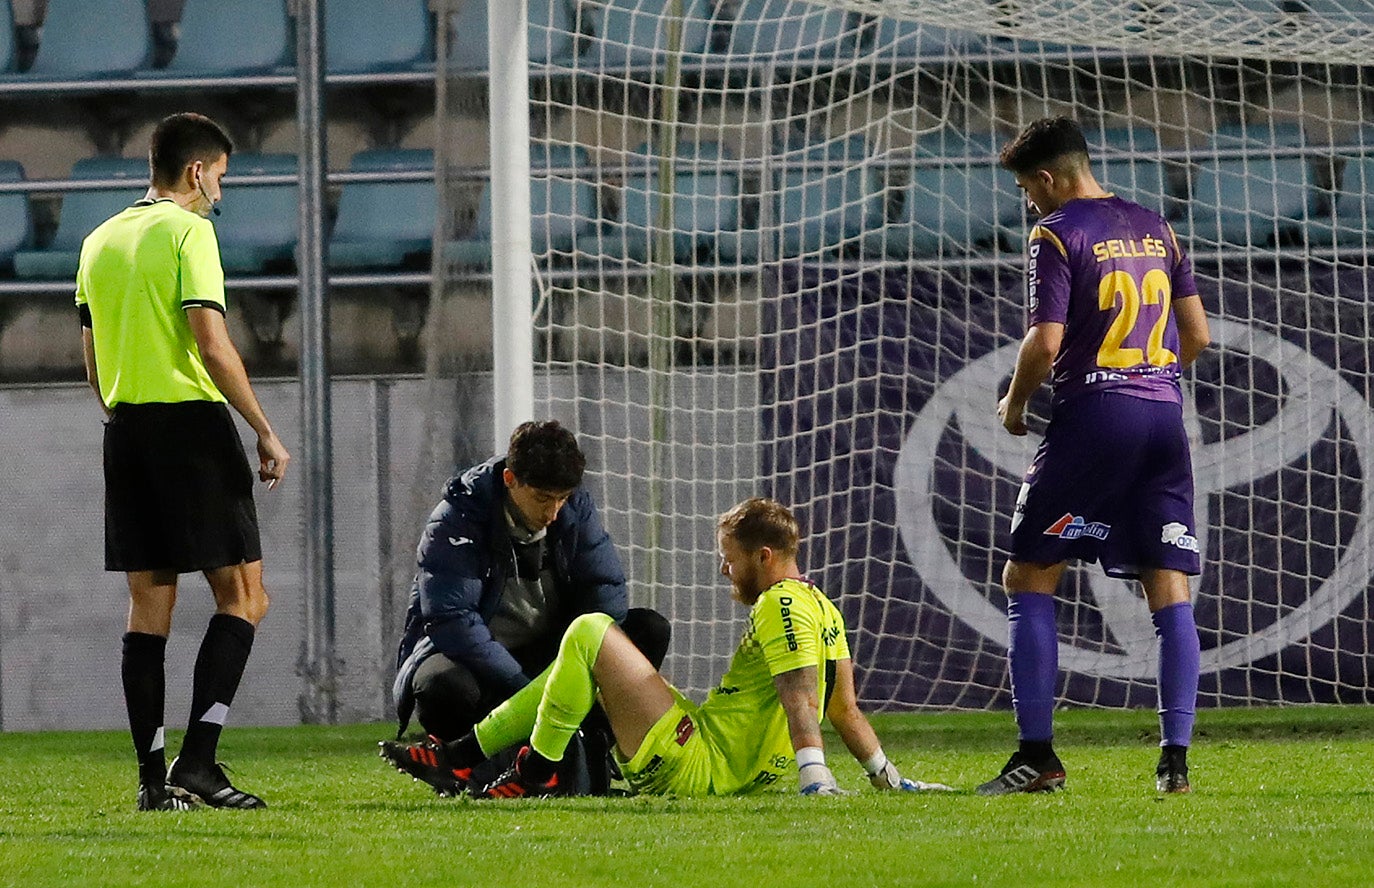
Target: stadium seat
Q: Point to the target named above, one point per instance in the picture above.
(257, 227)
(828, 197)
(897, 39)
(562, 208)
(1262, 135)
(227, 39)
(1248, 201)
(950, 142)
(1267, 8)
(1122, 140)
(368, 36)
(706, 203)
(1347, 221)
(93, 38)
(744, 247)
(822, 206)
(552, 29)
(381, 224)
(785, 32)
(16, 223)
(1341, 10)
(949, 209)
(7, 43)
(630, 33)
(81, 212)
(1142, 181)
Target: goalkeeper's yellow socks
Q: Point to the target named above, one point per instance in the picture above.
(550, 708)
(571, 690)
(512, 721)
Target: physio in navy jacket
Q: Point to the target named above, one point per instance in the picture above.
(510, 556)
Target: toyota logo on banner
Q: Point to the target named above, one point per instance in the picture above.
(1314, 396)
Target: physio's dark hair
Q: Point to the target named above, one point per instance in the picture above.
(181, 140)
(759, 522)
(545, 455)
(1047, 143)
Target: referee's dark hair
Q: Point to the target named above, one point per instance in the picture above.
(545, 455)
(1048, 143)
(182, 139)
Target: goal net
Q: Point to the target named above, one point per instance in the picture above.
(774, 254)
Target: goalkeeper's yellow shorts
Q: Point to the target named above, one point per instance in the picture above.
(674, 759)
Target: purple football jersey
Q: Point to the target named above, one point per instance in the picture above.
(1109, 270)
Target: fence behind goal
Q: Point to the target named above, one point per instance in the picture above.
(774, 254)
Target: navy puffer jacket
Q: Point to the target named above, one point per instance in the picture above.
(464, 557)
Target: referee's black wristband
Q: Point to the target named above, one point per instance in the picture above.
(84, 312)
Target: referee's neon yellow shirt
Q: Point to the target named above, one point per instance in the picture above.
(139, 272)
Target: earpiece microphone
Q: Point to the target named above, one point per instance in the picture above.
(214, 208)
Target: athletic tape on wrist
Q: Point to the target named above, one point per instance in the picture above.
(875, 762)
(810, 755)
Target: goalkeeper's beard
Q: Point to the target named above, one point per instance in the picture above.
(746, 588)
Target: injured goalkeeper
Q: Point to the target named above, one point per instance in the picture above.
(791, 669)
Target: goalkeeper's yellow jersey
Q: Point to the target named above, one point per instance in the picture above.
(790, 626)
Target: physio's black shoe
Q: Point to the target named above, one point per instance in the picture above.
(426, 761)
(511, 784)
(1171, 775)
(166, 798)
(209, 783)
(1021, 774)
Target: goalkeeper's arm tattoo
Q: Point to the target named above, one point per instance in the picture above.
(797, 694)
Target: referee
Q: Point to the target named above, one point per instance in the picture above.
(178, 490)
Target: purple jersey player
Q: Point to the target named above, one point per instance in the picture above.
(1115, 314)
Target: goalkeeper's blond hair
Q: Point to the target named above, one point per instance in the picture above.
(759, 522)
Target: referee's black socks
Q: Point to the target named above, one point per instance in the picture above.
(145, 693)
(219, 667)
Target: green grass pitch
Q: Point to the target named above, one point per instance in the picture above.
(1281, 797)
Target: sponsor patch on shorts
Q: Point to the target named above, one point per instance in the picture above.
(1072, 527)
(1177, 535)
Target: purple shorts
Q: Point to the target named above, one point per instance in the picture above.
(1111, 482)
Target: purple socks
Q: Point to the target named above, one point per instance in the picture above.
(1033, 650)
(1179, 657)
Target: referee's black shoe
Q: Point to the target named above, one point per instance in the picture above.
(153, 797)
(209, 783)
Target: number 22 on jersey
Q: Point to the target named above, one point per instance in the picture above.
(1120, 287)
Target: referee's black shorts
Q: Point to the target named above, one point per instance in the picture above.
(178, 489)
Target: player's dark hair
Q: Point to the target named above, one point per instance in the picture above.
(1045, 144)
(546, 456)
(181, 140)
(759, 522)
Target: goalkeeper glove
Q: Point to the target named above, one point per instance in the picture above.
(817, 780)
(814, 775)
(885, 776)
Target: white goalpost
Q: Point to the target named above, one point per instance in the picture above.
(511, 317)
